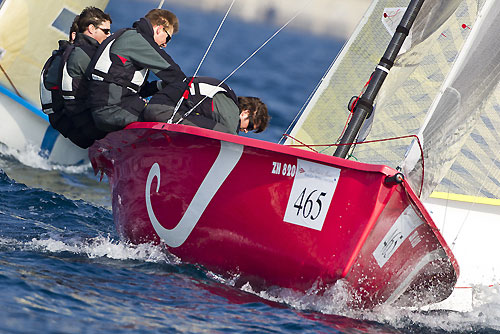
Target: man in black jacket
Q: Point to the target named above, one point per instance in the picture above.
(119, 70)
(210, 104)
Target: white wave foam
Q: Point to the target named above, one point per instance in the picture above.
(100, 247)
(29, 156)
(484, 301)
(484, 312)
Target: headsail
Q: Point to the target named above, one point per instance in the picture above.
(437, 38)
(29, 31)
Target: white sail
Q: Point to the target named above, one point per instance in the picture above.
(326, 114)
(464, 102)
(431, 54)
(29, 31)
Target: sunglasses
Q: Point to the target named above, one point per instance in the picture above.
(168, 36)
(105, 31)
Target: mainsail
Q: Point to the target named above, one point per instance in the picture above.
(432, 54)
(29, 31)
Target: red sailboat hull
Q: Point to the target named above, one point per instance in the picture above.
(274, 215)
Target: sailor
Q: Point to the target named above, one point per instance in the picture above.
(210, 104)
(119, 70)
(70, 116)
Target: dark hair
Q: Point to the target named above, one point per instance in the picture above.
(163, 17)
(74, 28)
(257, 109)
(92, 16)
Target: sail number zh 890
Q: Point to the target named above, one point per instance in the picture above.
(288, 169)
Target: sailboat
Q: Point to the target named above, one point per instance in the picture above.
(29, 31)
(276, 215)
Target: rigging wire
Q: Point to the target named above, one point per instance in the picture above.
(213, 39)
(301, 110)
(178, 105)
(247, 59)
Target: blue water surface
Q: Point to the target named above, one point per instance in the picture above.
(63, 268)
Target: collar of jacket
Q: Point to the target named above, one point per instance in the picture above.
(63, 44)
(84, 39)
(144, 27)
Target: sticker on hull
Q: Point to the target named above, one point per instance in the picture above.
(406, 223)
(312, 192)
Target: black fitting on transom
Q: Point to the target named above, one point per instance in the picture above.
(397, 178)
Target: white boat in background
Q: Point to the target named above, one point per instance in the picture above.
(443, 89)
(29, 31)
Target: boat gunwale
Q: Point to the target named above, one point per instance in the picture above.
(241, 140)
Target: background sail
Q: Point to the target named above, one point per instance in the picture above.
(29, 31)
(436, 39)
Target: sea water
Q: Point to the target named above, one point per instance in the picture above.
(63, 268)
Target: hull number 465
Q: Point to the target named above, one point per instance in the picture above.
(311, 194)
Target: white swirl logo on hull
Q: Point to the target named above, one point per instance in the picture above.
(227, 159)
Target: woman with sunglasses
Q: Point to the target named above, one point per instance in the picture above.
(68, 113)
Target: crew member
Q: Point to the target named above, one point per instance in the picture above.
(119, 70)
(68, 87)
(210, 104)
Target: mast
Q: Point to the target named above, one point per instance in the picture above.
(364, 105)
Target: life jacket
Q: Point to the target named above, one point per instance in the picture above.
(106, 67)
(50, 80)
(109, 73)
(75, 88)
(63, 97)
(203, 89)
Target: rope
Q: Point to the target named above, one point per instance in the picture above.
(302, 144)
(10, 81)
(368, 142)
(161, 4)
(246, 60)
(178, 105)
